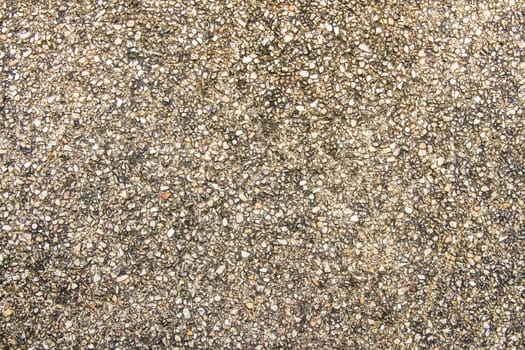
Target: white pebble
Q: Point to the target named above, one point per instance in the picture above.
(24, 36)
(287, 38)
(364, 47)
(239, 218)
(220, 269)
(282, 241)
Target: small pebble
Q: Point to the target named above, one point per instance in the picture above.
(122, 278)
(364, 47)
(8, 312)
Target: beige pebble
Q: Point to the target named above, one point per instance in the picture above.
(122, 278)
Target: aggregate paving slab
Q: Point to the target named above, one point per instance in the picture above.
(262, 174)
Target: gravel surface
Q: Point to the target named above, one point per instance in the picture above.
(262, 174)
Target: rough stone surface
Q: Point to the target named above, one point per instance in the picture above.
(262, 174)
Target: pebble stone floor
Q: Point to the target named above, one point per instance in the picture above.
(262, 174)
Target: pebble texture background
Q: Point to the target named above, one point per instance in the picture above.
(262, 174)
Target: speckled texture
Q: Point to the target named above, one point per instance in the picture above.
(262, 174)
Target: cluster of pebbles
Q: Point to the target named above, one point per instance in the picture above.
(262, 174)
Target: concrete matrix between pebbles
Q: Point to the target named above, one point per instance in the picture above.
(262, 174)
